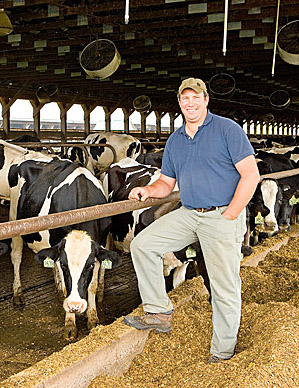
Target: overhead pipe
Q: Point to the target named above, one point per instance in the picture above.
(127, 12)
(275, 39)
(225, 27)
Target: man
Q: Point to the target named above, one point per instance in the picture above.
(212, 160)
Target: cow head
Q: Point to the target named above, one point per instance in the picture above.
(77, 256)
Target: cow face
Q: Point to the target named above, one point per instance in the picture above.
(77, 256)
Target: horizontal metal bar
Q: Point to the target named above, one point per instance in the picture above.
(51, 221)
(281, 174)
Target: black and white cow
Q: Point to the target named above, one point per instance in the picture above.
(37, 185)
(120, 179)
(100, 158)
(152, 158)
(272, 198)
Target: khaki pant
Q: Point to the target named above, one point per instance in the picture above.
(220, 240)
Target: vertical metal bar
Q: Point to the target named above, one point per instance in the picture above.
(225, 27)
(127, 12)
(275, 40)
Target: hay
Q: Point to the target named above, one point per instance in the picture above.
(267, 353)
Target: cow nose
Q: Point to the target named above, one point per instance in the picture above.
(270, 226)
(74, 307)
(284, 228)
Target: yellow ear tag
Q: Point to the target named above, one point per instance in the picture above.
(293, 200)
(259, 219)
(190, 252)
(107, 264)
(48, 262)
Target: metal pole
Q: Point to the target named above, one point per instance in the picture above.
(71, 217)
(225, 27)
(275, 39)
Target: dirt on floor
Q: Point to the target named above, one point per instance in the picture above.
(267, 353)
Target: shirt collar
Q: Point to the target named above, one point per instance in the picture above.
(207, 121)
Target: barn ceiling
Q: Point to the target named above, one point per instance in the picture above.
(160, 43)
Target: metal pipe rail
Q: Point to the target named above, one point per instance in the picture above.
(70, 217)
(51, 221)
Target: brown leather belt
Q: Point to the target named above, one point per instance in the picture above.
(204, 210)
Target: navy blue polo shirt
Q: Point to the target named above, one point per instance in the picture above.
(204, 166)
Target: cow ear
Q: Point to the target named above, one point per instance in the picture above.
(111, 258)
(47, 255)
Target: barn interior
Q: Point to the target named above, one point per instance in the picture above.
(134, 55)
(109, 53)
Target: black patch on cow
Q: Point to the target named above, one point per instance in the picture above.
(77, 154)
(40, 181)
(96, 152)
(2, 156)
(79, 194)
(131, 149)
(119, 185)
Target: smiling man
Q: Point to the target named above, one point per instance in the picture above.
(212, 160)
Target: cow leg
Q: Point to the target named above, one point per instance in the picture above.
(100, 291)
(179, 275)
(70, 329)
(16, 259)
(92, 316)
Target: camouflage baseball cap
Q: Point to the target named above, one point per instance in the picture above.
(195, 84)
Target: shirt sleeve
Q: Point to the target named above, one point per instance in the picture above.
(238, 143)
(167, 164)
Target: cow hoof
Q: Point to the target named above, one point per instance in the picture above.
(19, 300)
(70, 333)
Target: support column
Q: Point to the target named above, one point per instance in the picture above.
(5, 116)
(127, 114)
(37, 106)
(108, 113)
(173, 116)
(63, 120)
(87, 111)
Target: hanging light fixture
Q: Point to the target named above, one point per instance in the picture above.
(5, 23)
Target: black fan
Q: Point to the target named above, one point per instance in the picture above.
(268, 118)
(280, 99)
(288, 42)
(44, 93)
(142, 103)
(222, 85)
(100, 58)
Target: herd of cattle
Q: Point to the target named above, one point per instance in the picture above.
(39, 183)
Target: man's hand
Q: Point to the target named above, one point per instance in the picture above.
(139, 193)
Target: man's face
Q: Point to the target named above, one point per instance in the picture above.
(193, 105)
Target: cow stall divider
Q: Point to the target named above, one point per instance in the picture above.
(79, 363)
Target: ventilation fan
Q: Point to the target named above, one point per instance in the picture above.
(222, 85)
(288, 42)
(142, 103)
(240, 115)
(44, 93)
(5, 24)
(100, 58)
(280, 99)
(268, 118)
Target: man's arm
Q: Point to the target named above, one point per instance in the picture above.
(159, 189)
(250, 178)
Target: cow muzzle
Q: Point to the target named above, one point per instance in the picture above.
(75, 307)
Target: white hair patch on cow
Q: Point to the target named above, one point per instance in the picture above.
(77, 249)
(269, 189)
